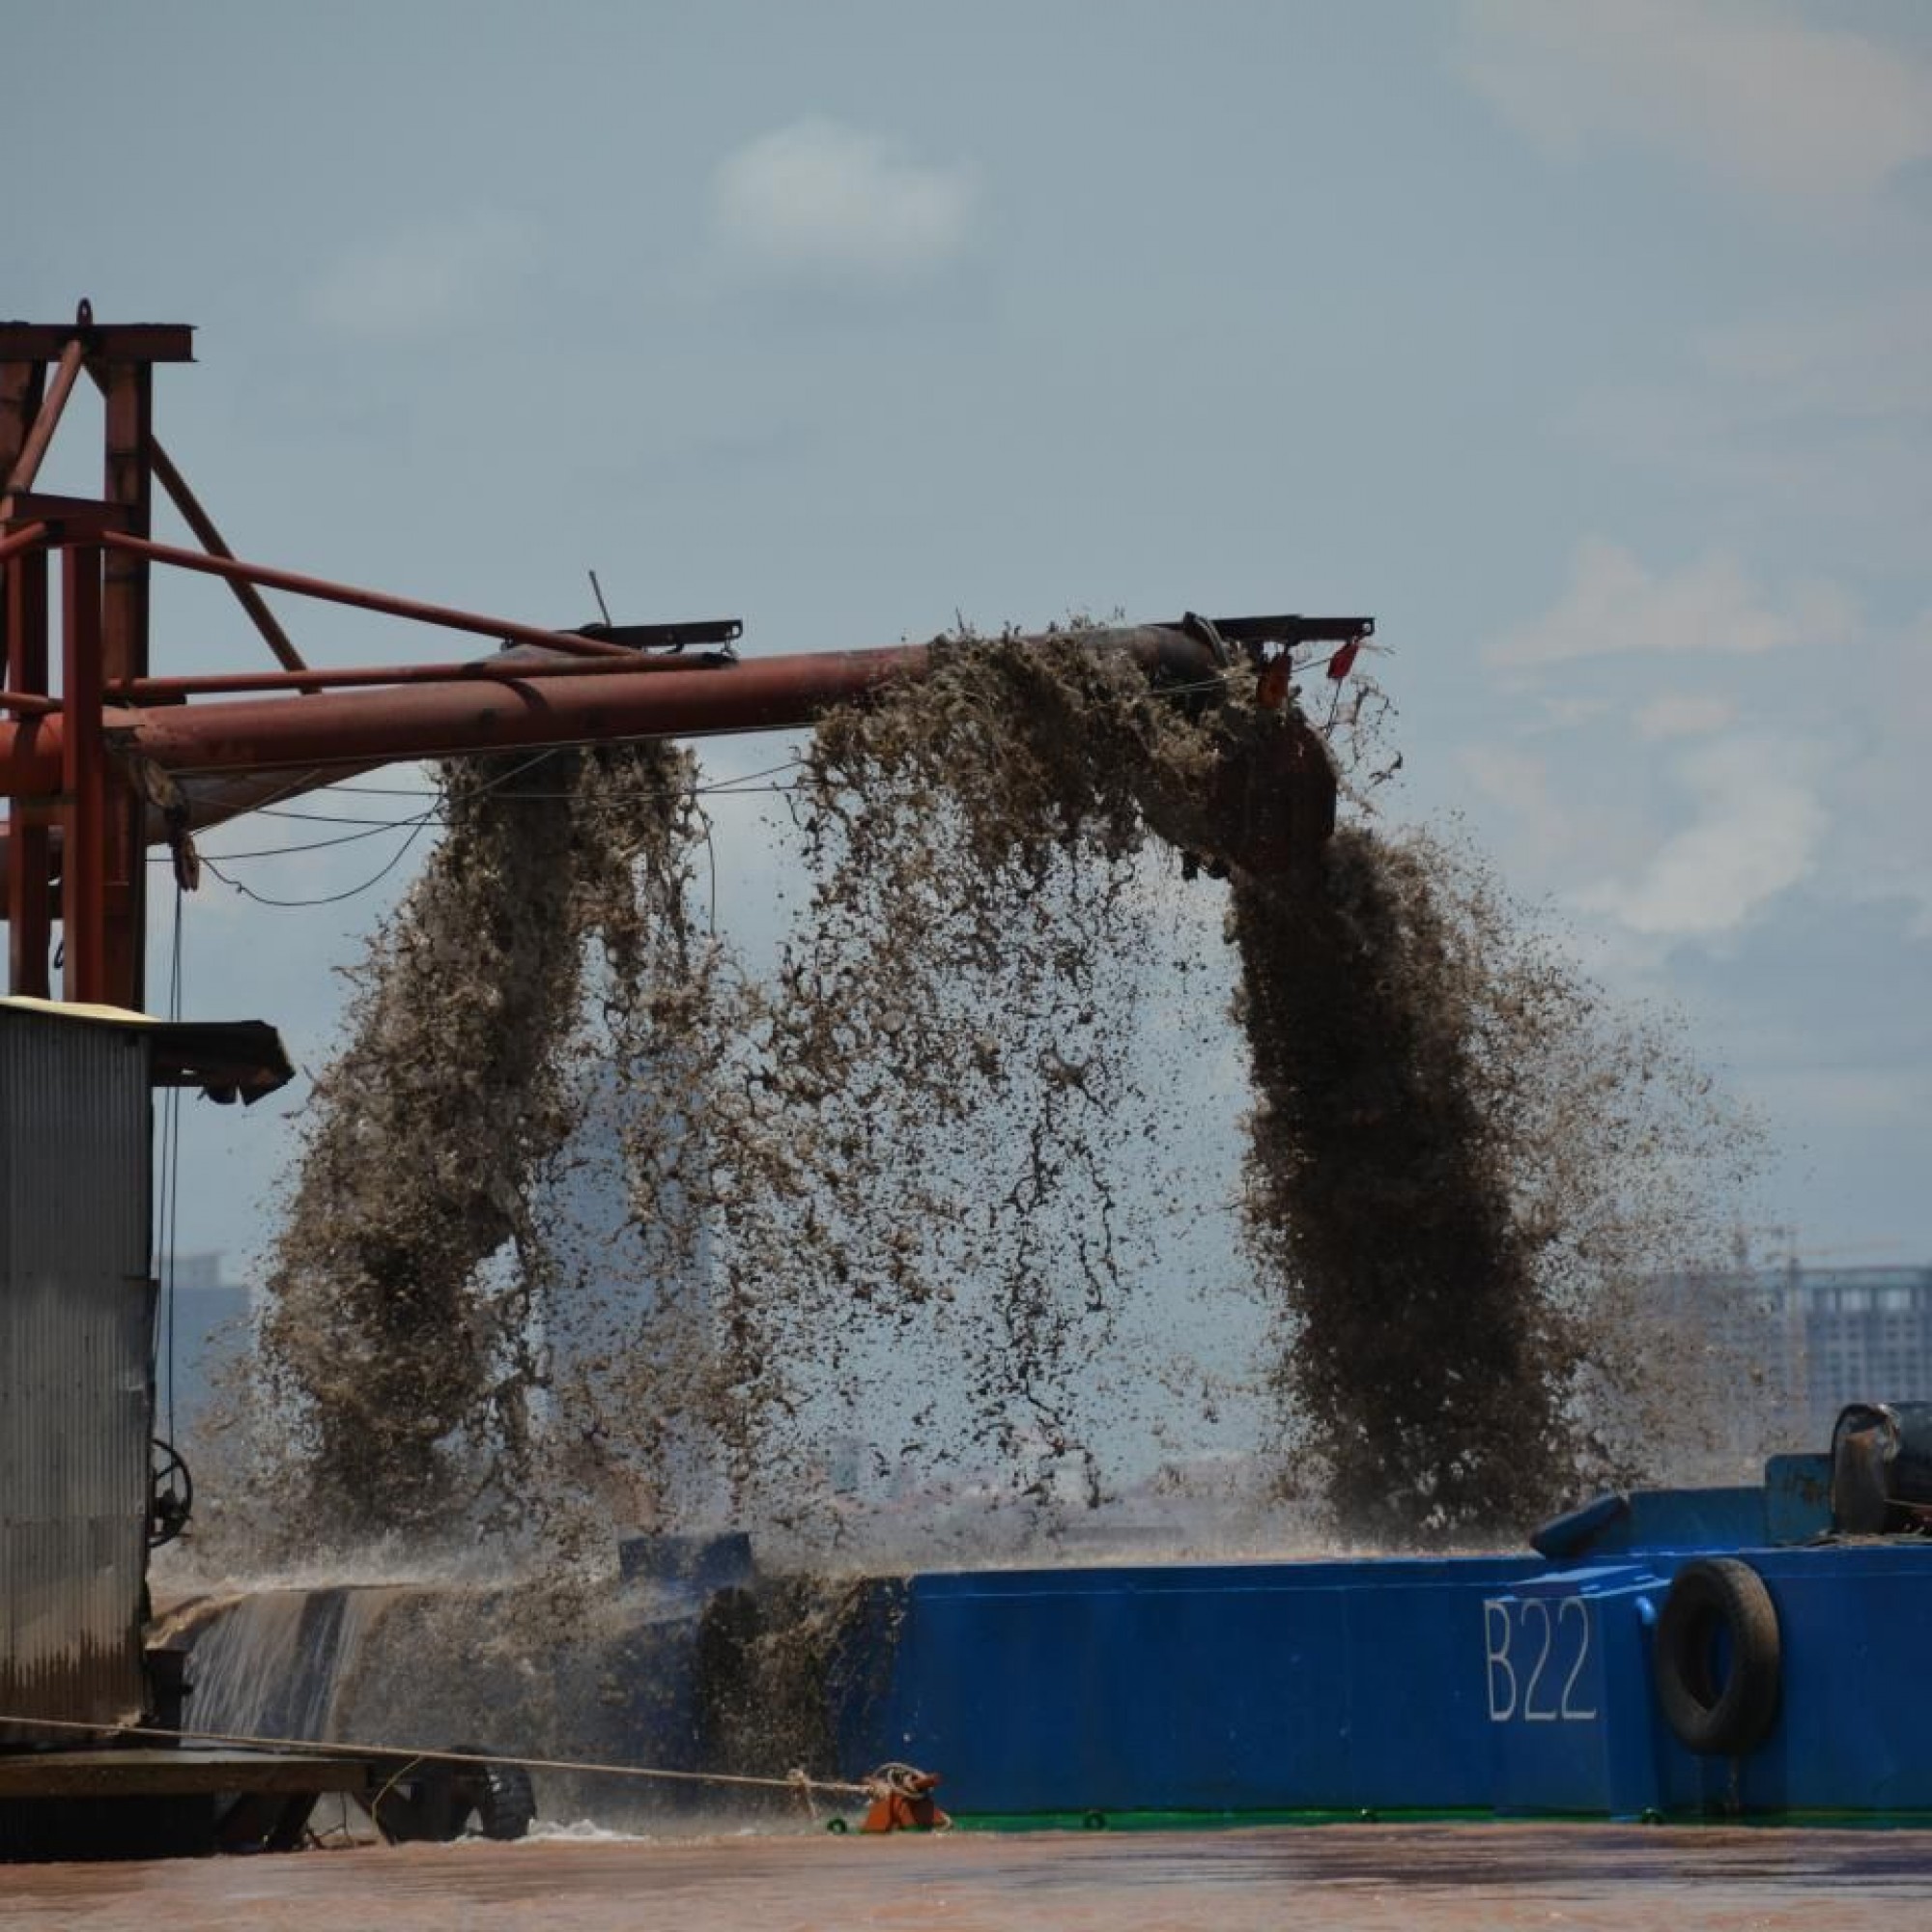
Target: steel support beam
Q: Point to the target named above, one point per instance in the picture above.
(113, 341)
(211, 540)
(161, 467)
(65, 519)
(23, 662)
(84, 849)
(379, 601)
(29, 896)
(22, 386)
(28, 537)
(46, 419)
(125, 658)
(507, 667)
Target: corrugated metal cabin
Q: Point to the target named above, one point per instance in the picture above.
(76, 1341)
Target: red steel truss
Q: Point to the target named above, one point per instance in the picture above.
(112, 759)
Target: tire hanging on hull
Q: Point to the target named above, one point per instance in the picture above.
(1719, 1707)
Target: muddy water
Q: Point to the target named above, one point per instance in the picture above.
(1472, 1878)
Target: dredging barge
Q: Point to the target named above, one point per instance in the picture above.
(1745, 1651)
(99, 760)
(1749, 1652)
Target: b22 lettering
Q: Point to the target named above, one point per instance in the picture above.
(1535, 1649)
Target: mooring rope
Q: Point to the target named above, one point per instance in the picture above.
(795, 1780)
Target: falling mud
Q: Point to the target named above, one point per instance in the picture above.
(1469, 1173)
(397, 1368)
(919, 1213)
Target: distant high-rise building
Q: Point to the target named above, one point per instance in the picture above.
(1855, 1334)
(1816, 1338)
(201, 1329)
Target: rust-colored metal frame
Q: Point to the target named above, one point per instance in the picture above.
(120, 758)
(58, 769)
(100, 814)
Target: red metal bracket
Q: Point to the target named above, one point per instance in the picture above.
(65, 519)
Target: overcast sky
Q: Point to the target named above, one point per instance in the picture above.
(1584, 345)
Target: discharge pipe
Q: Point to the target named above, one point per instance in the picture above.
(1273, 797)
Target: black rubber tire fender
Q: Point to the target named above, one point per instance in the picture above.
(508, 1803)
(433, 1798)
(1711, 1595)
(418, 1800)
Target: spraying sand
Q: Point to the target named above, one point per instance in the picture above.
(925, 1123)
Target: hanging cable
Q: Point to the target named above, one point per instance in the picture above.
(169, 1204)
(795, 1780)
(416, 825)
(325, 899)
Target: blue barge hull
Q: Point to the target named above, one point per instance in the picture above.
(1505, 1686)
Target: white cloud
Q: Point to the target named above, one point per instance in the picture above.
(422, 280)
(1756, 832)
(1806, 421)
(1684, 714)
(1835, 1100)
(1864, 358)
(818, 198)
(1885, 778)
(1691, 822)
(1541, 830)
(1743, 88)
(1556, 820)
(1615, 605)
(1564, 711)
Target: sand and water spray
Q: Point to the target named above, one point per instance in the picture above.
(958, 1184)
